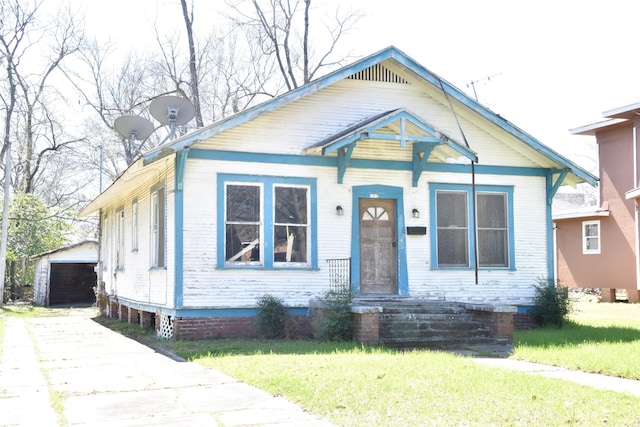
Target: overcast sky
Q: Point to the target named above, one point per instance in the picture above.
(546, 66)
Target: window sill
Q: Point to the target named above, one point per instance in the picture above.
(262, 268)
(472, 269)
(157, 268)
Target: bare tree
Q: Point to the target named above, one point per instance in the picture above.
(193, 72)
(109, 89)
(280, 31)
(32, 48)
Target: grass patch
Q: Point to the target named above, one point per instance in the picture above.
(383, 387)
(598, 338)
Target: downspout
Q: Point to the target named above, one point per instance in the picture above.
(473, 186)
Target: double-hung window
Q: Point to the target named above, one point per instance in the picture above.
(119, 223)
(267, 222)
(591, 237)
(461, 237)
(158, 229)
(134, 225)
(243, 224)
(493, 229)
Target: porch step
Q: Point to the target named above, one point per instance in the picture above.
(409, 323)
(443, 343)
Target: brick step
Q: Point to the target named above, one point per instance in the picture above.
(425, 317)
(440, 342)
(425, 309)
(433, 334)
(408, 325)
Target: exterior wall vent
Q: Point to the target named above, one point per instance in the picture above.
(378, 73)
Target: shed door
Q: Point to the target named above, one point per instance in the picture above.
(378, 248)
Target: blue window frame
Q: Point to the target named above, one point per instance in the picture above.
(158, 226)
(266, 222)
(453, 241)
(134, 225)
(119, 237)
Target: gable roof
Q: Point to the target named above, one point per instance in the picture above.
(423, 132)
(67, 248)
(574, 173)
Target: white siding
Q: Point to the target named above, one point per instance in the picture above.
(137, 281)
(207, 286)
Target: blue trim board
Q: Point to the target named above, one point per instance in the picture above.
(379, 192)
(268, 183)
(239, 156)
(508, 190)
(178, 259)
(551, 267)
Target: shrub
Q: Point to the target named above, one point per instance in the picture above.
(551, 303)
(336, 324)
(271, 317)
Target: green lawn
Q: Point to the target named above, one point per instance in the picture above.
(354, 385)
(600, 338)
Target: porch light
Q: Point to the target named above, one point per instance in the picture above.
(339, 210)
(416, 213)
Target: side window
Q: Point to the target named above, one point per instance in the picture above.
(134, 225)
(106, 242)
(243, 224)
(591, 237)
(119, 224)
(158, 228)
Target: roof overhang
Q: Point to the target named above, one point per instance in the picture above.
(430, 145)
(592, 128)
(625, 112)
(137, 172)
(586, 213)
(632, 194)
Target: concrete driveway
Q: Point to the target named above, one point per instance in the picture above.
(69, 370)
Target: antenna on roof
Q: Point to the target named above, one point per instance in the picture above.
(473, 83)
(172, 111)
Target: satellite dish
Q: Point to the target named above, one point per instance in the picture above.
(134, 127)
(172, 110)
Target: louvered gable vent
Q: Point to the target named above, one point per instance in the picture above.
(378, 73)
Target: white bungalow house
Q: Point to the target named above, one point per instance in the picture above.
(376, 163)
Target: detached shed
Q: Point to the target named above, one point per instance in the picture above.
(66, 275)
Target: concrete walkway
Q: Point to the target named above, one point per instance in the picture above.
(69, 370)
(94, 376)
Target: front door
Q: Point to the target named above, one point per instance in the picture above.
(378, 246)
